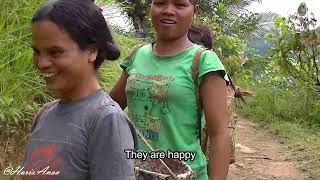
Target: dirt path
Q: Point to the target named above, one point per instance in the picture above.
(260, 156)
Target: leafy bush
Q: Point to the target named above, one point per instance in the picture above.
(278, 98)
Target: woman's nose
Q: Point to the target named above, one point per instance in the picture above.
(168, 10)
(42, 62)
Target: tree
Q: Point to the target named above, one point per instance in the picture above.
(234, 27)
(137, 10)
(296, 47)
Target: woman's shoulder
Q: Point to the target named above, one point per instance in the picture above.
(108, 107)
(206, 51)
(140, 47)
(111, 115)
(210, 55)
(144, 49)
(47, 107)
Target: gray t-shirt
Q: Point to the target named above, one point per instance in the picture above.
(81, 140)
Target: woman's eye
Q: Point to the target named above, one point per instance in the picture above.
(55, 53)
(180, 5)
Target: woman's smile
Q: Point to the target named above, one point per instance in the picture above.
(50, 75)
(168, 22)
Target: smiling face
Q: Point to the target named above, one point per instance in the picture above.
(65, 67)
(172, 18)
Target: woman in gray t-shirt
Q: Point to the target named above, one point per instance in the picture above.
(84, 134)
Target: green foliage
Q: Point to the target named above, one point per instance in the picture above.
(137, 11)
(230, 17)
(231, 50)
(230, 44)
(287, 84)
(20, 86)
(232, 64)
(295, 52)
(19, 83)
(110, 72)
(233, 26)
(281, 97)
(8, 110)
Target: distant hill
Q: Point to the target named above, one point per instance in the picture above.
(259, 43)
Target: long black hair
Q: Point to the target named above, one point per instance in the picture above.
(85, 24)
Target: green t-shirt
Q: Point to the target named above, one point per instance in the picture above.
(161, 100)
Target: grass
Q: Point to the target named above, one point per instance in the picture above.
(20, 86)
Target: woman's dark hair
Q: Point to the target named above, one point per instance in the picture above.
(201, 35)
(85, 24)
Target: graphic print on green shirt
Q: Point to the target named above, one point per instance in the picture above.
(152, 92)
(161, 100)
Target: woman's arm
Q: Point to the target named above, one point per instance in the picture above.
(213, 95)
(118, 91)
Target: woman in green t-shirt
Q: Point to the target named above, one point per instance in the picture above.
(158, 88)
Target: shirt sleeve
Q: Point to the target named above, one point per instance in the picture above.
(210, 62)
(127, 62)
(108, 140)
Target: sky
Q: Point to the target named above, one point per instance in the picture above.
(286, 7)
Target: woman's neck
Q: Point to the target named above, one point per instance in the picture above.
(81, 91)
(170, 47)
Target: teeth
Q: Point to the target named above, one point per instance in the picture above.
(48, 75)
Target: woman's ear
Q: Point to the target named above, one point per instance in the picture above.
(196, 11)
(93, 53)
